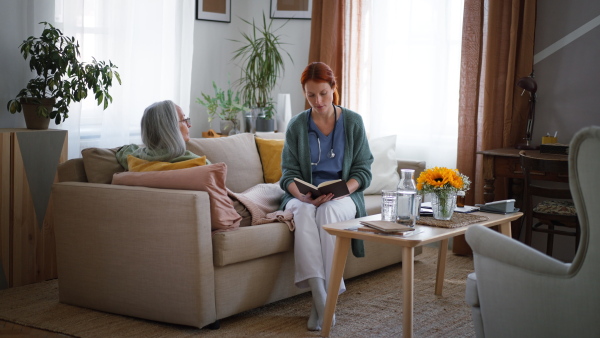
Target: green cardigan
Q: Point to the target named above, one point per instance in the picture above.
(295, 159)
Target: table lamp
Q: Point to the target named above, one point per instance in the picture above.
(528, 84)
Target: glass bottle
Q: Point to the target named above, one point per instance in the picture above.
(407, 190)
(460, 199)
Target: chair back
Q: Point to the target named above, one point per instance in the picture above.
(533, 167)
(584, 180)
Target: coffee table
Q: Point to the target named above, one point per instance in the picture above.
(424, 235)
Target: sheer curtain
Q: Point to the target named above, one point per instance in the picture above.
(408, 84)
(151, 43)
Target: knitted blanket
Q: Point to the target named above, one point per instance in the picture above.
(262, 201)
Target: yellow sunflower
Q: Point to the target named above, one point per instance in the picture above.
(440, 178)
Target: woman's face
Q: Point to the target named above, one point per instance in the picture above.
(184, 126)
(319, 96)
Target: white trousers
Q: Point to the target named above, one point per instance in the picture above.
(313, 246)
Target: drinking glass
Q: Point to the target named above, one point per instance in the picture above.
(388, 205)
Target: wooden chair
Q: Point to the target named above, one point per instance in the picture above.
(555, 213)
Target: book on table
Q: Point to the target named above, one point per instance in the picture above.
(387, 226)
(336, 187)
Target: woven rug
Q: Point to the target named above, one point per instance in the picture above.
(371, 307)
(458, 220)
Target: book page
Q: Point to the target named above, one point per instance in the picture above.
(328, 183)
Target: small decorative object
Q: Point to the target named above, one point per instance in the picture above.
(406, 212)
(262, 65)
(284, 112)
(213, 10)
(442, 184)
(227, 106)
(61, 79)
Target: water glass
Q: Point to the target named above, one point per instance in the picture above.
(417, 206)
(388, 205)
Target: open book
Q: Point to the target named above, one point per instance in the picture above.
(337, 187)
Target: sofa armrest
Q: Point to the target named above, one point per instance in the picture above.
(136, 251)
(511, 253)
(72, 171)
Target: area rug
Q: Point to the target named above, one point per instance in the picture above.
(371, 307)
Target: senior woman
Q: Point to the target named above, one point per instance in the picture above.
(165, 130)
(323, 143)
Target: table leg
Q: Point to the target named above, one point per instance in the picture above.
(505, 228)
(340, 253)
(441, 267)
(408, 281)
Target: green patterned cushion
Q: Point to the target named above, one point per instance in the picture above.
(564, 208)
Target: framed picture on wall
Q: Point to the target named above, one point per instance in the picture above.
(213, 10)
(291, 9)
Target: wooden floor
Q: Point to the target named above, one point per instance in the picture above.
(8, 329)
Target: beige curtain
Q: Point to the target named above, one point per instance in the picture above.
(497, 50)
(327, 37)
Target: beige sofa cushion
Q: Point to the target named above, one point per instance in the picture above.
(100, 164)
(232, 247)
(239, 152)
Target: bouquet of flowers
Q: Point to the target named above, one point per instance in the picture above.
(443, 184)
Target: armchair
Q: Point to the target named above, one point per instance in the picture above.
(517, 291)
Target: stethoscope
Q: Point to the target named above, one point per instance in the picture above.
(331, 154)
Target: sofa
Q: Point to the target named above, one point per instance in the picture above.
(152, 253)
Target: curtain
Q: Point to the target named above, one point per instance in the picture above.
(402, 63)
(498, 39)
(327, 37)
(150, 42)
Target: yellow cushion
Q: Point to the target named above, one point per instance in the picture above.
(138, 165)
(270, 157)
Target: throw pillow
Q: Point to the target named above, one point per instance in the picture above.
(137, 164)
(239, 152)
(209, 178)
(270, 157)
(100, 164)
(385, 165)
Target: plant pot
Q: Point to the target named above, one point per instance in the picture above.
(262, 124)
(32, 119)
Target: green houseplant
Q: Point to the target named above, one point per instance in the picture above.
(262, 65)
(225, 104)
(60, 78)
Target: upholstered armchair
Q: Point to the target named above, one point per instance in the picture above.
(517, 291)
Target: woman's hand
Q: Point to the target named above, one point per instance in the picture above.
(317, 201)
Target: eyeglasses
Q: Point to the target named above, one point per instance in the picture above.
(187, 121)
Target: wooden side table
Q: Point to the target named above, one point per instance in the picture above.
(29, 159)
(424, 235)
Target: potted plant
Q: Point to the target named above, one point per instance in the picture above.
(262, 65)
(60, 78)
(226, 105)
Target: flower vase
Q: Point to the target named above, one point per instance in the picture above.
(236, 128)
(443, 205)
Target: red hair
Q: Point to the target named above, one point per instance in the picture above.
(320, 72)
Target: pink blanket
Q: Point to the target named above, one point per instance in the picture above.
(262, 201)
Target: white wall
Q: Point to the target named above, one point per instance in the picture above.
(213, 51)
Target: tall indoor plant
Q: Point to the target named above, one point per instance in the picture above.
(60, 78)
(262, 65)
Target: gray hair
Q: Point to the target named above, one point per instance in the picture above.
(160, 130)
